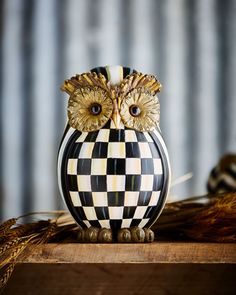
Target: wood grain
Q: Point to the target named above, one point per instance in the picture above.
(158, 252)
(131, 279)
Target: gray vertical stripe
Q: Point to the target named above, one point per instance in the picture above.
(230, 81)
(205, 96)
(27, 104)
(174, 109)
(12, 108)
(142, 50)
(76, 37)
(108, 37)
(44, 97)
(125, 32)
(189, 44)
(1, 113)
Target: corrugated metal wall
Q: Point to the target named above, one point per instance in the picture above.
(190, 45)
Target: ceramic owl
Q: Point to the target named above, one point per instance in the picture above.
(113, 167)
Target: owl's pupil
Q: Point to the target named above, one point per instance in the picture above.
(134, 110)
(95, 109)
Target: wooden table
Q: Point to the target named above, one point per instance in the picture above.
(157, 268)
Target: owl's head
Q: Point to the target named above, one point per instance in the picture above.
(116, 93)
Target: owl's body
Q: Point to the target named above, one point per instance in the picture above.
(113, 177)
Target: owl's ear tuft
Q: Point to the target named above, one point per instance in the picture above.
(67, 87)
(139, 80)
(90, 79)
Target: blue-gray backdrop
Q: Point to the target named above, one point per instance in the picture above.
(189, 44)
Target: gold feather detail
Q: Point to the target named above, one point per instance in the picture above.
(90, 79)
(79, 106)
(140, 90)
(149, 110)
(139, 80)
(91, 88)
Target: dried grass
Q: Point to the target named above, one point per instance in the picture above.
(209, 218)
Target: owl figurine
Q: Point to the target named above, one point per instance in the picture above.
(113, 166)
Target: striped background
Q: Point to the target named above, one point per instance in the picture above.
(190, 45)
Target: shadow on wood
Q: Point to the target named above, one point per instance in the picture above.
(161, 279)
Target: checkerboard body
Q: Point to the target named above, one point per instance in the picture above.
(113, 178)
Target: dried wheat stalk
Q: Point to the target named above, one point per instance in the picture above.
(9, 245)
(6, 274)
(15, 251)
(48, 233)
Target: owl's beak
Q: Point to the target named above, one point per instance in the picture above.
(116, 115)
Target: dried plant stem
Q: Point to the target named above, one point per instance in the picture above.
(6, 274)
(48, 233)
(53, 212)
(9, 245)
(172, 218)
(16, 251)
(5, 226)
(182, 179)
(211, 221)
(29, 228)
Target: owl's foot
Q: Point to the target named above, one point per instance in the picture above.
(95, 235)
(124, 235)
(135, 235)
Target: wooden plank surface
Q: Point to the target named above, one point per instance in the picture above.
(158, 252)
(131, 279)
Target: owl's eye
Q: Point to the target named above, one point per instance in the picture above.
(134, 110)
(95, 109)
(89, 108)
(140, 110)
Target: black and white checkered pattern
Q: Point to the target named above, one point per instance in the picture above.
(114, 178)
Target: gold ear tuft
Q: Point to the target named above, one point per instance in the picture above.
(90, 79)
(67, 87)
(139, 80)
